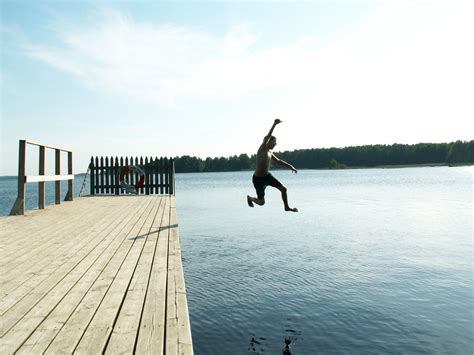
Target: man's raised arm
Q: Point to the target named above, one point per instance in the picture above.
(268, 136)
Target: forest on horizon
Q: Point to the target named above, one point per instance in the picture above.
(459, 152)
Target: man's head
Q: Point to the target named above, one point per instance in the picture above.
(272, 142)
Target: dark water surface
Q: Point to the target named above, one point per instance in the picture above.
(376, 261)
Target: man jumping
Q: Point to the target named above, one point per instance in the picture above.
(262, 177)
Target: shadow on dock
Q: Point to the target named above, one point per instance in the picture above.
(154, 232)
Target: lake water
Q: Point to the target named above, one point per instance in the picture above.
(376, 261)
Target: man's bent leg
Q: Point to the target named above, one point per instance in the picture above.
(249, 201)
(258, 201)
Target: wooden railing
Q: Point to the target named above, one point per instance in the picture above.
(19, 206)
(113, 176)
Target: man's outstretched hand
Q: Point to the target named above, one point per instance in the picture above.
(277, 121)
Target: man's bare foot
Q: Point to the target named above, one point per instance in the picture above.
(291, 209)
(249, 201)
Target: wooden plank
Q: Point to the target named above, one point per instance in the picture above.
(97, 174)
(142, 190)
(49, 263)
(172, 179)
(40, 235)
(125, 331)
(172, 340)
(116, 173)
(45, 178)
(70, 184)
(123, 295)
(38, 269)
(94, 339)
(155, 176)
(40, 339)
(167, 176)
(132, 174)
(23, 328)
(24, 279)
(92, 177)
(47, 231)
(151, 336)
(29, 223)
(107, 173)
(36, 302)
(160, 169)
(178, 329)
(102, 175)
(41, 185)
(184, 327)
(17, 229)
(147, 177)
(72, 331)
(47, 146)
(121, 166)
(19, 205)
(57, 189)
(126, 178)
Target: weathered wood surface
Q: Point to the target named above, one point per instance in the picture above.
(97, 275)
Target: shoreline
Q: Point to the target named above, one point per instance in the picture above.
(395, 166)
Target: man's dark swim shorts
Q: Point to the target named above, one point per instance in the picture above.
(261, 182)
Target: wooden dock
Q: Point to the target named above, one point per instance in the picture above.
(101, 274)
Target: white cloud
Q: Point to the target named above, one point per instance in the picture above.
(405, 74)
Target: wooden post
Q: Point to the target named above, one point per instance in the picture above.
(146, 170)
(141, 166)
(92, 172)
(126, 178)
(19, 206)
(156, 177)
(173, 185)
(151, 175)
(118, 167)
(132, 174)
(58, 172)
(97, 174)
(102, 190)
(107, 173)
(161, 176)
(137, 175)
(120, 182)
(70, 183)
(167, 176)
(112, 175)
(41, 184)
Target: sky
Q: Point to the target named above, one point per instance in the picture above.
(208, 79)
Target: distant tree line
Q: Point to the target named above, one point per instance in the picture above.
(459, 152)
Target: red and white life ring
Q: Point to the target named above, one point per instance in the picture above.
(128, 187)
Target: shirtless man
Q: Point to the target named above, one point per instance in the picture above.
(262, 177)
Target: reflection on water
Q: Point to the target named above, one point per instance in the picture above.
(286, 350)
(257, 345)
